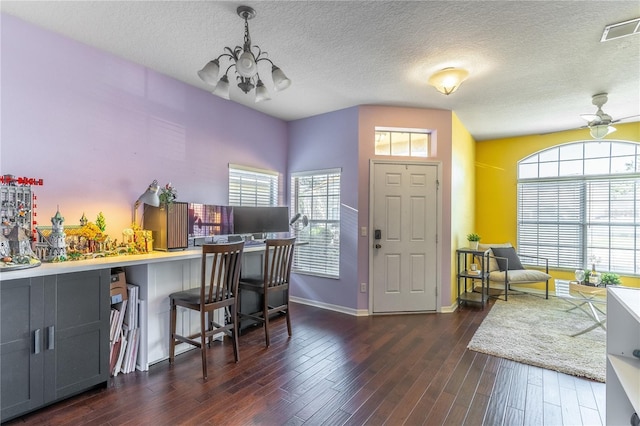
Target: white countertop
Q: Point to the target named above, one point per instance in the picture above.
(109, 262)
(629, 298)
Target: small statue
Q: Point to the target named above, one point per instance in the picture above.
(57, 239)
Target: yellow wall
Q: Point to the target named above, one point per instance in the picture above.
(496, 181)
(463, 152)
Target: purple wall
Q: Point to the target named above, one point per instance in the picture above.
(98, 129)
(324, 142)
(345, 139)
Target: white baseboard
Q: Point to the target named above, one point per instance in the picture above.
(449, 309)
(330, 307)
(355, 312)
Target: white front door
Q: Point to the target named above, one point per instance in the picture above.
(405, 206)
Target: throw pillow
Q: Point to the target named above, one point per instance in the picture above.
(493, 265)
(510, 254)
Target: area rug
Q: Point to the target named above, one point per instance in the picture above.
(536, 331)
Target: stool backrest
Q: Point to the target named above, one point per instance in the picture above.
(224, 276)
(277, 262)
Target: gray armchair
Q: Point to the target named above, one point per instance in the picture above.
(505, 268)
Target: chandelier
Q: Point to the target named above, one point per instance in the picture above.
(245, 60)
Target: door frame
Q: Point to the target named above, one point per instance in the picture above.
(370, 240)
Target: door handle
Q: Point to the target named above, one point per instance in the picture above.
(378, 246)
(51, 337)
(36, 341)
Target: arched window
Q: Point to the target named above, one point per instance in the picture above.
(579, 203)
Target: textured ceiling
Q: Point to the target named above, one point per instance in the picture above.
(533, 65)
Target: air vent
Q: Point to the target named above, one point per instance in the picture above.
(621, 29)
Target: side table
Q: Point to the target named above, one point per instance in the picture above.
(465, 258)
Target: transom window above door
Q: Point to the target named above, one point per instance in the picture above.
(402, 142)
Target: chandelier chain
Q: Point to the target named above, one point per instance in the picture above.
(247, 37)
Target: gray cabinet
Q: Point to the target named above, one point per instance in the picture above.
(21, 352)
(54, 339)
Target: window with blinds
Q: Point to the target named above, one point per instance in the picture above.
(252, 187)
(579, 204)
(316, 195)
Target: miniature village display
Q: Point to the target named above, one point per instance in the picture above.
(58, 243)
(24, 244)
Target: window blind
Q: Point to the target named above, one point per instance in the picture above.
(252, 187)
(584, 210)
(317, 196)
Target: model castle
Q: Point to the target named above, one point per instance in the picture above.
(17, 222)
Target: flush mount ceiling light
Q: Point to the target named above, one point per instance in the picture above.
(245, 60)
(448, 80)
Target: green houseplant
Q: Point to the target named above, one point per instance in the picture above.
(606, 278)
(609, 278)
(473, 239)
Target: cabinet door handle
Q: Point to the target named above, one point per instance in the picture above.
(51, 337)
(36, 341)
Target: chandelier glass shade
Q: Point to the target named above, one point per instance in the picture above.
(448, 80)
(245, 59)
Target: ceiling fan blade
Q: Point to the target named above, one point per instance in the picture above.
(625, 118)
(590, 117)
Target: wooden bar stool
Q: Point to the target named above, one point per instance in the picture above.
(220, 292)
(275, 278)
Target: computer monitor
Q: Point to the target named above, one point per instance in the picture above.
(209, 220)
(253, 220)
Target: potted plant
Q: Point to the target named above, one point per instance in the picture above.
(168, 195)
(609, 278)
(473, 239)
(606, 278)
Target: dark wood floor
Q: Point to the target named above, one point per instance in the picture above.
(339, 369)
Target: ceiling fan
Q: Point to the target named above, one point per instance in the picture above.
(600, 123)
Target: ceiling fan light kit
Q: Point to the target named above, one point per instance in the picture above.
(245, 60)
(600, 123)
(447, 80)
(601, 130)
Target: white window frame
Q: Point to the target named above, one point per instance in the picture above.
(252, 187)
(574, 214)
(411, 132)
(318, 243)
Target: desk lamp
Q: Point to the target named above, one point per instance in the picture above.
(150, 197)
(299, 221)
